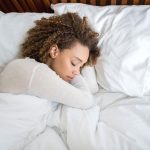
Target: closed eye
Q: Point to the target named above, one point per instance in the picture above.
(73, 64)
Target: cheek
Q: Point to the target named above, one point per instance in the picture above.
(67, 66)
(64, 65)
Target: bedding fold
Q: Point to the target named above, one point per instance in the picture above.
(117, 122)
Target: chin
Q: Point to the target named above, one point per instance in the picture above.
(67, 80)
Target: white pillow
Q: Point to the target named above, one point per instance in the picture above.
(124, 65)
(13, 29)
(1, 13)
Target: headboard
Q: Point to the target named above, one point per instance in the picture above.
(44, 5)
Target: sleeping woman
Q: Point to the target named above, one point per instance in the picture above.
(54, 52)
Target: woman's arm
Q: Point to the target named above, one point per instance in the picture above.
(26, 76)
(80, 83)
(47, 84)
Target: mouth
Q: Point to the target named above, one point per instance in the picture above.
(70, 78)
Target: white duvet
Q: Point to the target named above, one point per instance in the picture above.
(117, 122)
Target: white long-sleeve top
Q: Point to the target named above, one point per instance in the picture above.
(27, 76)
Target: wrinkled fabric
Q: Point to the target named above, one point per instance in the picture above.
(116, 122)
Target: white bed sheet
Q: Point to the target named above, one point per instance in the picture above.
(118, 122)
(47, 140)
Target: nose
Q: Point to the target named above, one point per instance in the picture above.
(76, 71)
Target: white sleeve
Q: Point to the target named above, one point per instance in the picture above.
(47, 84)
(80, 83)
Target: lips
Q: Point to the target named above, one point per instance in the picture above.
(70, 78)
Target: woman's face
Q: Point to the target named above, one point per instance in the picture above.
(67, 63)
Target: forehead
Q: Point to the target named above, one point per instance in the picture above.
(78, 51)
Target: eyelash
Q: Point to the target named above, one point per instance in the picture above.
(73, 64)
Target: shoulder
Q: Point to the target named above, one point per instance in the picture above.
(23, 61)
(31, 66)
(23, 67)
(26, 67)
(22, 64)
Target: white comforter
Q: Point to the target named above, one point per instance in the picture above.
(117, 122)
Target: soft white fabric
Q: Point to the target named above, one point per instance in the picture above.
(48, 140)
(22, 118)
(118, 122)
(27, 76)
(89, 75)
(13, 30)
(1, 13)
(124, 65)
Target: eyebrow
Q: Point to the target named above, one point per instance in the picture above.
(78, 59)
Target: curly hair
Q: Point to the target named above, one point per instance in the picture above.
(63, 30)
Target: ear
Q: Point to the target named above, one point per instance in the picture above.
(54, 51)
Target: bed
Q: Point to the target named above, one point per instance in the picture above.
(120, 81)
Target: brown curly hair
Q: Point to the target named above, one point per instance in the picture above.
(63, 30)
